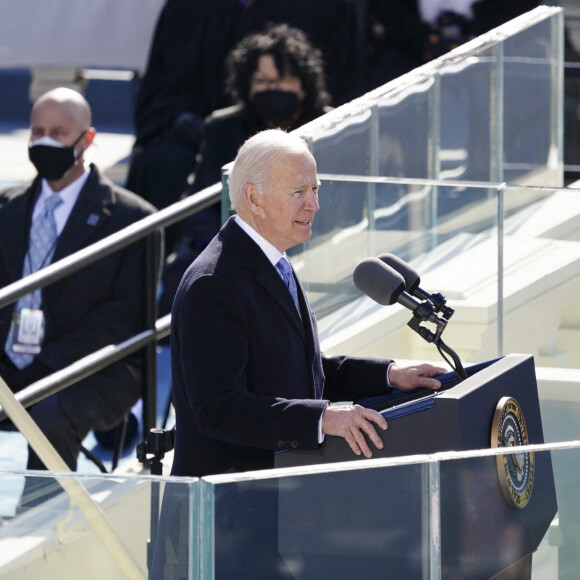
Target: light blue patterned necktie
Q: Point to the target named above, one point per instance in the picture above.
(285, 269)
(41, 245)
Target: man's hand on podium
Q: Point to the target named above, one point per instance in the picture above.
(413, 377)
(351, 422)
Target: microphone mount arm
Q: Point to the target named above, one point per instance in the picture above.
(425, 313)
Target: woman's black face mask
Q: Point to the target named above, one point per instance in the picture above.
(275, 106)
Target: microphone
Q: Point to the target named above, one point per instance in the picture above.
(412, 281)
(386, 286)
(387, 280)
(410, 276)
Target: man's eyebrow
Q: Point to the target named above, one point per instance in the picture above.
(305, 184)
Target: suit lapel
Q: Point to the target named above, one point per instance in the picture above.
(269, 279)
(265, 273)
(91, 212)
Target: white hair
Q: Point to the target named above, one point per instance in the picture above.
(257, 156)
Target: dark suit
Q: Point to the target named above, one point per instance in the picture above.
(85, 311)
(248, 375)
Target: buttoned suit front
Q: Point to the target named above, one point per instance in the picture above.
(84, 311)
(248, 374)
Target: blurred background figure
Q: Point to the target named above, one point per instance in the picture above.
(405, 34)
(276, 78)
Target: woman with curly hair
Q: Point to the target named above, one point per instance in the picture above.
(276, 80)
(279, 76)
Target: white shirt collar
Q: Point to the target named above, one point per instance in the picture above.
(272, 253)
(69, 196)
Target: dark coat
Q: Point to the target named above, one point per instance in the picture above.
(248, 375)
(94, 307)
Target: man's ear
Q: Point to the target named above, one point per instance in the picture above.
(253, 198)
(90, 134)
(89, 137)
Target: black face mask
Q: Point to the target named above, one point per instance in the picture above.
(275, 106)
(51, 159)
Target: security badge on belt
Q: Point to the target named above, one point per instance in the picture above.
(27, 331)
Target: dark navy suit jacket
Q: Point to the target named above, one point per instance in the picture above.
(248, 375)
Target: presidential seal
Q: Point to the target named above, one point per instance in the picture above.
(515, 470)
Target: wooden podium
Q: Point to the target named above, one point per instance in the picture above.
(494, 511)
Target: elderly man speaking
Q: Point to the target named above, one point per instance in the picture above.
(248, 374)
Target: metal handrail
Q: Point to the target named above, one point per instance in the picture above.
(89, 365)
(110, 244)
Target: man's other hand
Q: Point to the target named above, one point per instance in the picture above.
(351, 422)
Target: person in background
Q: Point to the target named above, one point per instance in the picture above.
(69, 206)
(276, 78)
(405, 34)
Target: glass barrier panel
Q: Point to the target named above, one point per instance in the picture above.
(571, 122)
(467, 515)
(565, 532)
(495, 512)
(531, 139)
(338, 524)
(345, 148)
(98, 527)
(175, 548)
(405, 126)
(447, 233)
(466, 115)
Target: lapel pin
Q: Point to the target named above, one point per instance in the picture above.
(93, 219)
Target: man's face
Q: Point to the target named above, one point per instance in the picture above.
(66, 122)
(288, 207)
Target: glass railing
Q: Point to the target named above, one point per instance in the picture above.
(506, 258)
(416, 518)
(467, 115)
(449, 515)
(468, 513)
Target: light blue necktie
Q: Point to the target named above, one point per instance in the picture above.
(43, 236)
(286, 270)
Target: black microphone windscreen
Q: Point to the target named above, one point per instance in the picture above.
(378, 281)
(410, 276)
